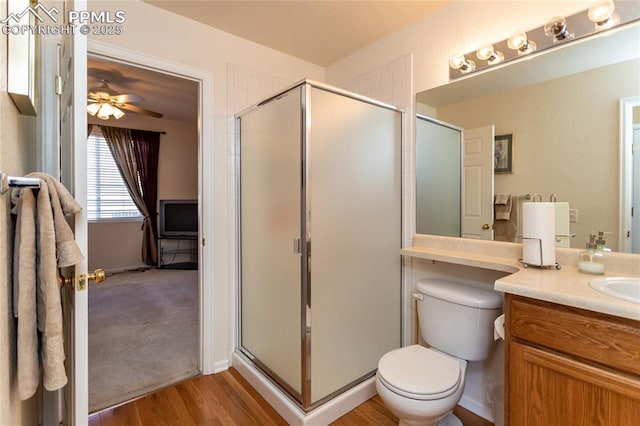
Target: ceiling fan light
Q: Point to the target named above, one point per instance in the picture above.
(93, 109)
(105, 111)
(117, 112)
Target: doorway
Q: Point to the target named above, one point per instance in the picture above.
(629, 208)
(143, 321)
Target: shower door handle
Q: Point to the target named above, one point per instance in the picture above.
(297, 246)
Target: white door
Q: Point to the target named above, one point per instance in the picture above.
(635, 186)
(477, 183)
(73, 154)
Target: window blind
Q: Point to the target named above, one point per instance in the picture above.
(107, 194)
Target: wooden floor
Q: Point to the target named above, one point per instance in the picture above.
(227, 399)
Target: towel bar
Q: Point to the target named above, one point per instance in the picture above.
(7, 182)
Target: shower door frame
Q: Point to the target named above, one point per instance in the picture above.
(303, 400)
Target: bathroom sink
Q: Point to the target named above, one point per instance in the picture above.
(625, 288)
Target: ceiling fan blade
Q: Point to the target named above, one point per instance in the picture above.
(122, 99)
(140, 110)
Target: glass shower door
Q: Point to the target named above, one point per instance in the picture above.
(270, 205)
(355, 228)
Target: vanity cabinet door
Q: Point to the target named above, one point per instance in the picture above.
(568, 366)
(547, 388)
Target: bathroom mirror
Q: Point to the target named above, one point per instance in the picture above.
(562, 109)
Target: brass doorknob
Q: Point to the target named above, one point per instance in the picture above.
(62, 280)
(98, 276)
(485, 226)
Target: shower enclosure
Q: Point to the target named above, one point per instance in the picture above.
(319, 239)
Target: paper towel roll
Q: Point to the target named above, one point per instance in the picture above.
(562, 224)
(538, 232)
(498, 328)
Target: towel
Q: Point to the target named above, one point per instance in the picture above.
(63, 204)
(502, 198)
(502, 209)
(24, 295)
(507, 230)
(43, 242)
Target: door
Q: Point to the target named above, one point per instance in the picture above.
(438, 177)
(548, 388)
(477, 183)
(635, 185)
(270, 239)
(73, 147)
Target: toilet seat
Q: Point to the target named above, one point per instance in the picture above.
(419, 373)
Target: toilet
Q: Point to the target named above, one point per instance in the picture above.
(421, 385)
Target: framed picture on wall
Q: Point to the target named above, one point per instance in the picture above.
(503, 154)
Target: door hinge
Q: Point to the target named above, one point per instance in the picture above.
(203, 242)
(58, 85)
(632, 211)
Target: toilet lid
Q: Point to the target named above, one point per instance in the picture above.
(419, 373)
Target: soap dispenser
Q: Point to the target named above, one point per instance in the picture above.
(591, 261)
(600, 242)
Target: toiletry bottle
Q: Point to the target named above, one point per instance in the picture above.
(591, 261)
(600, 242)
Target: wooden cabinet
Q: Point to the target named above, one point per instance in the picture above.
(567, 366)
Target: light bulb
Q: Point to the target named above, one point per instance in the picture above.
(459, 62)
(487, 53)
(105, 111)
(456, 61)
(518, 41)
(93, 108)
(602, 15)
(117, 112)
(557, 28)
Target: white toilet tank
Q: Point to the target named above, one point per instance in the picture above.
(458, 319)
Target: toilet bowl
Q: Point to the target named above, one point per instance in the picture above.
(421, 385)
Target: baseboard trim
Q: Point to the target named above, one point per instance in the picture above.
(220, 366)
(126, 268)
(292, 414)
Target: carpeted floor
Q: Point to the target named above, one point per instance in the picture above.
(143, 334)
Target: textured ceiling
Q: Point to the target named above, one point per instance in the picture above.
(319, 31)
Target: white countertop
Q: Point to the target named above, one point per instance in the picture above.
(566, 286)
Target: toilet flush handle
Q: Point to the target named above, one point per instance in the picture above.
(418, 296)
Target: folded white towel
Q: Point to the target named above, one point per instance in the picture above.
(502, 198)
(503, 210)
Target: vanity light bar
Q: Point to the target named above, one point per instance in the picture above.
(602, 16)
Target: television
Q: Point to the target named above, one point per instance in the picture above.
(178, 218)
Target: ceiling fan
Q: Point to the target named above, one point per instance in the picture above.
(103, 102)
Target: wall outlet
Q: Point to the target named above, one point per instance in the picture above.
(573, 215)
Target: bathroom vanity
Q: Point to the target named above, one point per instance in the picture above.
(572, 354)
(569, 366)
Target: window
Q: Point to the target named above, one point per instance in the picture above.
(107, 194)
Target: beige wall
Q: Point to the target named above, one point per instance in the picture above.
(566, 140)
(17, 136)
(116, 246)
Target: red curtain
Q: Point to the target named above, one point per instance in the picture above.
(146, 146)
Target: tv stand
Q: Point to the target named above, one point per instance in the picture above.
(178, 252)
